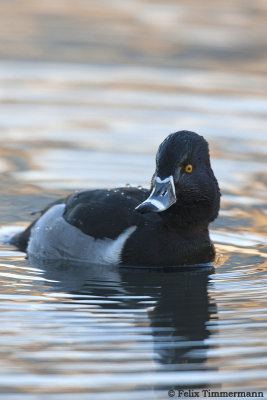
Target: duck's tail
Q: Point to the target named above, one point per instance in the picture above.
(8, 232)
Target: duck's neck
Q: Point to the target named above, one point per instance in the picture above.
(189, 217)
(191, 233)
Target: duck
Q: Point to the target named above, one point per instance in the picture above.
(164, 226)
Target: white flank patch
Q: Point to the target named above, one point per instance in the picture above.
(114, 249)
(54, 238)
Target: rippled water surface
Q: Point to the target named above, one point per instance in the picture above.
(70, 331)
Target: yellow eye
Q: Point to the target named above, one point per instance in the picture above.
(189, 168)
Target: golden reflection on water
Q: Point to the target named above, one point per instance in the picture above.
(219, 34)
(234, 249)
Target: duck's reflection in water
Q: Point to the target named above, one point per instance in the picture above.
(175, 302)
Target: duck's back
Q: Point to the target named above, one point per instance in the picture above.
(104, 213)
(90, 225)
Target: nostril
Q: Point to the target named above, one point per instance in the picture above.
(164, 193)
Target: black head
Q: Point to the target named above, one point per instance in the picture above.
(183, 182)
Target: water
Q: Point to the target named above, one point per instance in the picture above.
(83, 331)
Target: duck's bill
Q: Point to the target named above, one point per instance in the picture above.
(161, 198)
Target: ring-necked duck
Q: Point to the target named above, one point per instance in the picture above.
(164, 226)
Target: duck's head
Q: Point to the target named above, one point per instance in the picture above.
(184, 181)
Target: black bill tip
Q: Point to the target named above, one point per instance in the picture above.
(146, 207)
